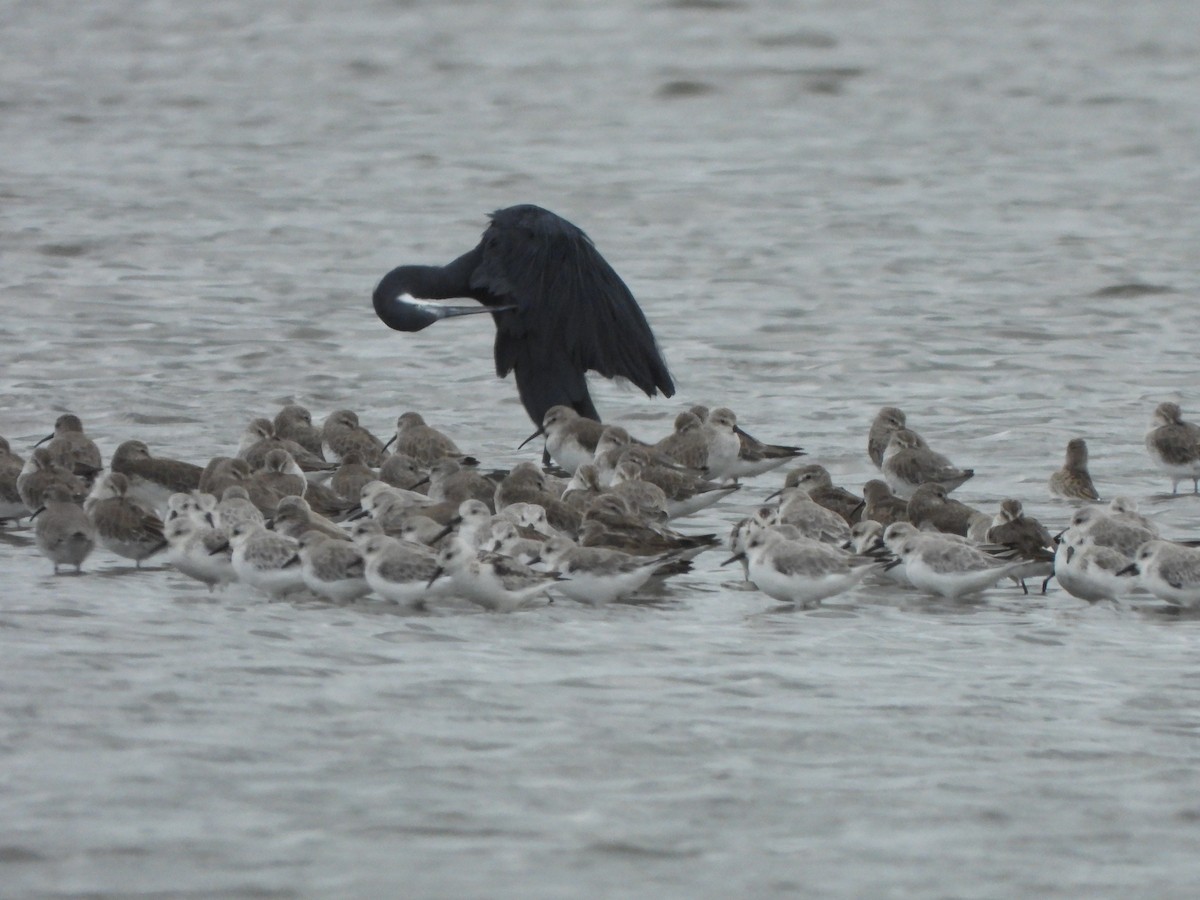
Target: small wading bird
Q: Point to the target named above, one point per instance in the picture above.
(559, 308)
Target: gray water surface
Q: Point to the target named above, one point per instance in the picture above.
(981, 212)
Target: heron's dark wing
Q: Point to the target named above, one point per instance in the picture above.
(574, 312)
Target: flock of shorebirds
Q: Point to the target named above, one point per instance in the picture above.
(337, 512)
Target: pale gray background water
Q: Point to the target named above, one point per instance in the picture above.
(823, 208)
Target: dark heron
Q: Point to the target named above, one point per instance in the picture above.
(560, 309)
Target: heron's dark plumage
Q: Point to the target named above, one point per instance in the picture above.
(572, 313)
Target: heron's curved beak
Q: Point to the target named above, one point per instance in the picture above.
(43, 440)
(391, 441)
(734, 558)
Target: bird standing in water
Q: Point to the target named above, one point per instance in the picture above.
(559, 308)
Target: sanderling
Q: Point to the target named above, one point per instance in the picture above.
(1106, 530)
(62, 530)
(1090, 572)
(525, 483)
(949, 568)
(423, 442)
(197, 506)
(341, 433)
(494, 582)
(813, 519)
(881, 505)
(471, 526)
(39, 472)
(1175, 445)
(929, 507)
(529, 516)
(1169, 571)
(507, 540)
(570, 438)
(1072, 481)
(153, 479)
(333, 569)
(235, 507)
(72, 449)
(399, 571)
(1125, 509)
(802, 572)
(887, 421)
(597, 575)
(866, 539)
(266, 561)
(199, 551)
(815, 480)
(908, 463)
(122, 525)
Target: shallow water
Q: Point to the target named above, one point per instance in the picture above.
(982, 213)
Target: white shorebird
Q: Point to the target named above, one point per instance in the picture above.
(803, 572)
(949, 568)
(199, 551)
(1175, 445)
(266, 561)
(235, 507)
(1169, 571)
(814, 480)
(597, 575)
(1091, 572)
(332, 568)
(399, 571)
(1106, 530)
(491, 581)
